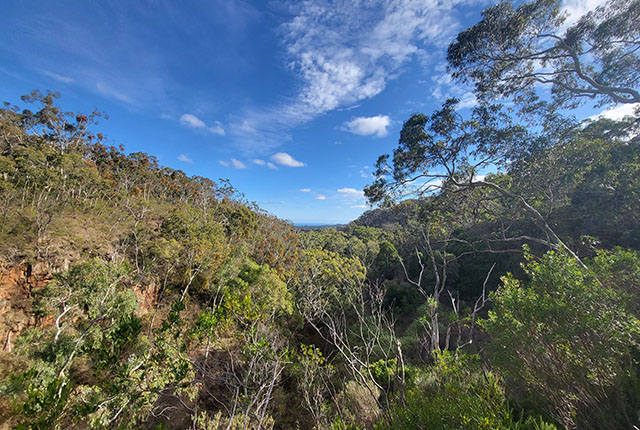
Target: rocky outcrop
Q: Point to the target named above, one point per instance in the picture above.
(16, 286)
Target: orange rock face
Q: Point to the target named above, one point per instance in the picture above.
(16, 286)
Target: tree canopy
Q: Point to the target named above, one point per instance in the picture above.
(512, 50)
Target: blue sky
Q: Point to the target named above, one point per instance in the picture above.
(291, 101)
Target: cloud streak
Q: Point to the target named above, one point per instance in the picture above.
(285, 159)
(351, 193)
(59, 78)
(185, 158)
(192, 121)
(238, 164)
(235, 163)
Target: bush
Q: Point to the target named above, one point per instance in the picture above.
(565, 340)
(359, 405)
(456, 394)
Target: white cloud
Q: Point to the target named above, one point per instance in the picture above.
(193, 121)
(321, 197)
(259, 162)
(113, 93)
(235, 163)
(445, 88)
(217, 129)
(358, 206)
(576, 8)
(238, 164)
(351, 193)
(618, 112)
(272, 166)
(343, 53)
(367, 126)
(59, 78)
(305, 190)
(467, 100)
(348, 52)
(285, 159)
(246, 126)
(184, 158)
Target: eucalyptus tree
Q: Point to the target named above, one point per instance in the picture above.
(511, 51)
(446, 153)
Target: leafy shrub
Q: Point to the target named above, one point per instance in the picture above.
(565, 339)
(455, 394)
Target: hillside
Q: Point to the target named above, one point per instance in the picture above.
(495, 285)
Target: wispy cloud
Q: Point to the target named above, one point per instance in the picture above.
(345, 52)
(285, 159)
(351, 193)
(444, 88)
(235, 163)
(131, 50)
(259, 162)
(192, 121)
(185, 158)
(238, 164)
(348, 52)
(272, 166)
(305, 190)
(574, 9)
(59, 78)
(358, 206)
(113, 93)
(368, 126)
(321, 197)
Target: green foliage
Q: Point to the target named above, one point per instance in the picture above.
(595, 58)
(313, 373)
(190, 324)
(446, 142)
(455, 393)
(118, 343)
(387, 262)
(237, 422)
(566, 338)
(45, 403)
(325, 280)
(95, 326)
(404, 299)
(619, 269)
(257, 293)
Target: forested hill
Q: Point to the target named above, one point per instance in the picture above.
(497, 286)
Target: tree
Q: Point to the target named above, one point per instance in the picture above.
(510, 51)
(446, 153)
(566, 339)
